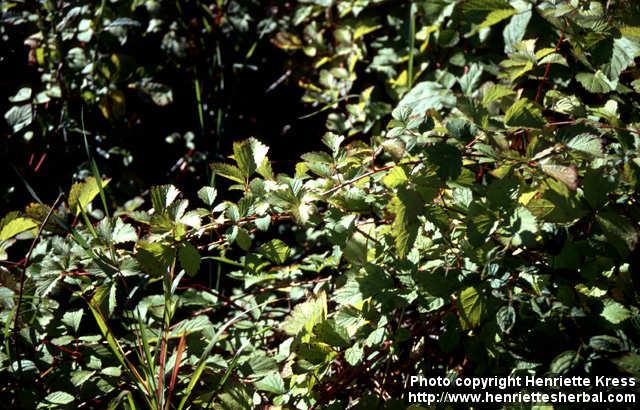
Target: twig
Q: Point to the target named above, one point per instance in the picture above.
(365, 175)
(548, 67)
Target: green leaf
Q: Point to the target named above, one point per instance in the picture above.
(406, 206)
(112, 371)
(524, 114)
(506, 318)
(471, 307)
(16, 226)
(272, 383)
(447, 160)
(263, 222)
(123, 232)
(112, 302)
(19, 116)
(192, 325)
(160, 94)
(427, 95)
(565, 104)
(495, 93)
(189, 258)
(82, 193)
(328, 331)
(276, 251)
(515, 30)
(354, 354)
(563, 362)
(306, 315)
(587, 143)
(73, 319)
(597, 83)
(207, 194)
(23, 94)
(162, 196)
(228, 171)
(243, 239)
(469, 81)
(262, 365)
(249, 155)
(471, 7)
(620, 232)
(395, 177)
(494, 17)
(79, 377)
(59, 397)
(614, 312)
(629, 363)
(154, 258)
(623, 55)
(522, 226)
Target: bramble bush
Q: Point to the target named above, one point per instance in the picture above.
(473, 211)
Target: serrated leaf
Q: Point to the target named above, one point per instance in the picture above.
(249, 155)
(623, 54)
(427, 95)
(154, 258)
(354, 354)
(59, 397)
(469, 81)
(207, 194)
(522, 226)
(447, 160)
(82, 193)
(262, 365)
(506, 318)
(73, 319)
(524, 114)
(227, 171)
(276, 251)
(16, 226)
(565, 174)
(563, 362)
(328, 331)
(596, 83)
(614, 312)
(112, 371)
(495, 93)
(565, 104)
(192, 325)
(189, 258)
(406, 206)
(263, 222)
(243, 239)
(620, 232)
(123, 232)
(79, 377)
(395, 177)
(472, 6)
(515, 30)
(494, 17)
(162, 196)
(19, 116)
(471, 308)
(587, 143)
(306, 315)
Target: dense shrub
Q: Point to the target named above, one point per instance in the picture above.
(471, 209)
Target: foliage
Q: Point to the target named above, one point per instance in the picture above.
(494, 209)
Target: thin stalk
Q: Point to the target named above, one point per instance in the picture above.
(412, 43)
